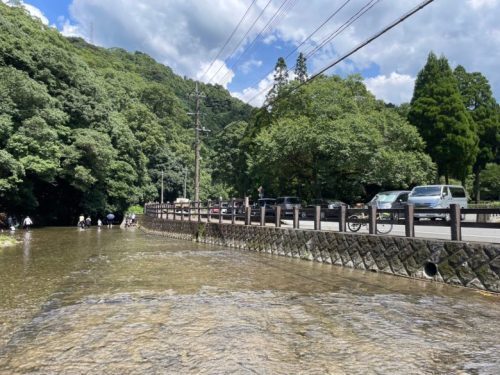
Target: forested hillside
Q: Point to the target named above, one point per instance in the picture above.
(85, 129)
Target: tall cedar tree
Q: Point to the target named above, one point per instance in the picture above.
(301, 68)
(479, 101)
(280, 80)
(440, 116)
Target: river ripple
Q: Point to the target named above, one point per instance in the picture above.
(120, 302)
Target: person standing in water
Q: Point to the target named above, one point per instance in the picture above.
(27, 223)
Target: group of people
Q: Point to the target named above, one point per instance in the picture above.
(87, 222)
(12, 223)
(130, 220)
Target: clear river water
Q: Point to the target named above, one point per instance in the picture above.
(118, 301)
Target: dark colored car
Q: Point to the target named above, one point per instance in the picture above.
(268, 203)
(329, 208)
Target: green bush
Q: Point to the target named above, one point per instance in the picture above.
(136, 209)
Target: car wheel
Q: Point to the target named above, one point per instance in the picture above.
(303, 215)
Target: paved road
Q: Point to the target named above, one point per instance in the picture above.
(468, 234)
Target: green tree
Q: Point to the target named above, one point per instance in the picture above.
(479, 101)
(490, 177)
(280, 80)
(335, 143)
(301, 68)
(440, 116)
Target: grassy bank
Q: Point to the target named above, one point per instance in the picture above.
(7, 240)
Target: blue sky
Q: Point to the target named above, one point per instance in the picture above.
(187, 35)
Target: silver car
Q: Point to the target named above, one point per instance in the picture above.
(439, 197)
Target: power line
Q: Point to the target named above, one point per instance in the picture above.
(358, 47)
(241, 40)
(364, 9)
(228, 39)
(329, 18)
(268, 26)
(344, 26)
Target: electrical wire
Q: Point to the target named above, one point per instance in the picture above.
(363, 10)
(227, 40)
(328, 19)
(357, 48)
(242, 39)
(270, 24)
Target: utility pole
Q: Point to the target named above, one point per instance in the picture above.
(161, 196)
(185, 182)
(197, 144)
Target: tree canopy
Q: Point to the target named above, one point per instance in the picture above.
(438, 112)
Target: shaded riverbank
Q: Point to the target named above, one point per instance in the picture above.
(118, 301)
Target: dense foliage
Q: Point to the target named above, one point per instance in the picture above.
(439, 114)
(332, 138)
(85, 129)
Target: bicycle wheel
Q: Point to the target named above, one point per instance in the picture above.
(353, 227)
(384, 228)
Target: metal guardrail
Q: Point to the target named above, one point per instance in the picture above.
(234, 211)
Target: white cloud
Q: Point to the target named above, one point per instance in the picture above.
(256, 95)
(33, 11)
(217, 72)
(187, 34)
(183, 34)
(247, 66)
(394, 88)
(476, 4)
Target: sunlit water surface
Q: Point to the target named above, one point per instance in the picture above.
(120, 302)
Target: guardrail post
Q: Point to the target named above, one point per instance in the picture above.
(209, 216)
(248, 217)
(342, 218)
(174, 209)
(189, 211)
(263, 216)
(220, 212)
(182, 211)
(317, 218)
(278, 216)
(295, 217)
(372, 219)
(409, 220)
(456, 230)
(233, 213)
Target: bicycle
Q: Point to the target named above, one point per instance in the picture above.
(382, 228)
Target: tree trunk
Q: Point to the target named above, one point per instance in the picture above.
(446, 178)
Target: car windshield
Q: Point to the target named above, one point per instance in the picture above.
(292, 200)
(385, 197)
(425, 191)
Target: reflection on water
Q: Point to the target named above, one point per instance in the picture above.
(120, 302)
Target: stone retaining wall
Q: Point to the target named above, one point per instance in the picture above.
(475, 265)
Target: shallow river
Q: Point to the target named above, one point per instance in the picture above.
(120, 302)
